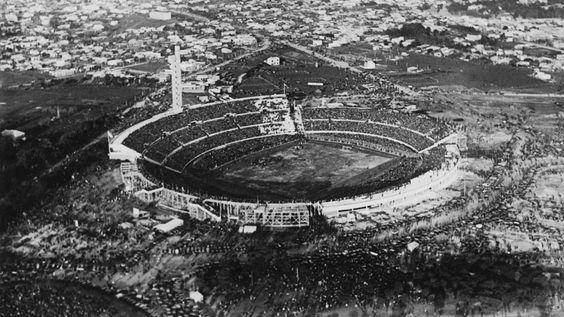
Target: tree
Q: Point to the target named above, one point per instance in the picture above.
(31, 159)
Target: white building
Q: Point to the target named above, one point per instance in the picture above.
(369, 65)
(273, 61)
(15, 135)
(248, 229)
(194, 87)
(196, 296)
(169, 226)
(473, 37)
(397, 40)
(60, 73)
(542, 76)
(160, 15)
(412, 69)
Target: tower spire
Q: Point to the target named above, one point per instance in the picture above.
(176, 79)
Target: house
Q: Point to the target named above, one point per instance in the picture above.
(126, 225)
(61, 73)
(15, 135)
(194, 87)
(407, 43)
(273, 61)
(473, 37)
(140, 214)
(369, 65)
(248, 229)
(397, 40)
(196, 296)
(412, 69)
(540, 75)
(115, 62)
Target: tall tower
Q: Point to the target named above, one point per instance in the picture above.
(176, 79)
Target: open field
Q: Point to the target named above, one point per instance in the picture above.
(305, 79)
(13, 78)
(20, 101)
(85, 113)
(538, 104)
(301, 170)
(296, 70)
(450, 71)
(150, 67)
(258, 86)
(287, 56)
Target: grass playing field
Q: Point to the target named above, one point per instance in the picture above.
(26, 100)
(304, 170)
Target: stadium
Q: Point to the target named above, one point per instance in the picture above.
(275, 160)
(246, 159)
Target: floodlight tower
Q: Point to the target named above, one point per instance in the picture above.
(176, 79)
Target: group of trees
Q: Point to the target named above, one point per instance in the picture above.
(536, 10)
(23, 181)
(423, 35)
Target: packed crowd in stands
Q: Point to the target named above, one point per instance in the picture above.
(166, 144)
(172, 140)
(432, 128)
(369, 142)
(179, 159)
(392, 174)
(195, 123)
(223, 155)
(156, 140)
(192, 184)
(419, 142)
(219, 109)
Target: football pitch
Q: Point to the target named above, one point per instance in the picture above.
(301, 170)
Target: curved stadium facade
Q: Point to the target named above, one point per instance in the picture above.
(167, 157)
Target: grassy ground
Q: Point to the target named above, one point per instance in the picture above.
(450, 71)
(302, 170)
(21, 101)
(85, 113)
(8, 79)
(151, 67)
